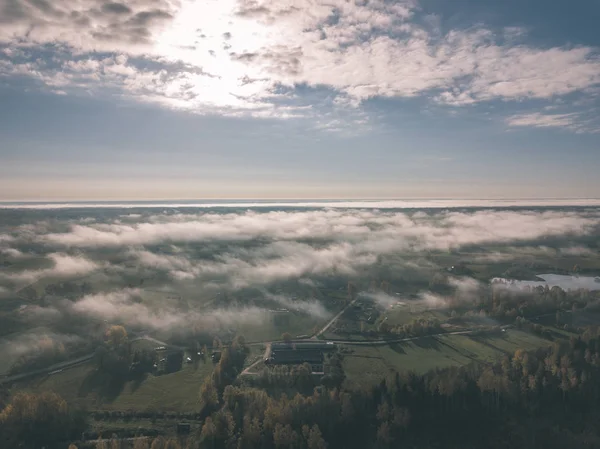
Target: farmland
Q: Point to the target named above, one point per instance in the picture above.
(365, 365)
(170, 392)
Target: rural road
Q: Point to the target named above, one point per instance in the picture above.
(73, 362)
(260, 360)
(381, 342)
(56, 367)
(335, 318)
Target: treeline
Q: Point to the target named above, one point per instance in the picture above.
(502, 301)
(230, 365)
(416, 328)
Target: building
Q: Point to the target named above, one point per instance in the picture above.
(299, 353)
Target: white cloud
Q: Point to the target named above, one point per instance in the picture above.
(382, 299)
(121, 306)
(313, 308)
(370, 230)
(237, 57)
(36, 342)
(275, 262)
(296, 244)
(64, 266)
(571, 121)
(11, 252)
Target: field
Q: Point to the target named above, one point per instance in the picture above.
(171, 392)
(366, 365)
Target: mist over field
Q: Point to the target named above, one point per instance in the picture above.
(213, 268)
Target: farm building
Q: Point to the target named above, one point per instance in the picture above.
(298, 353)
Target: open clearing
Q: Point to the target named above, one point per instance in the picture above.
(170, 392)
(366, 365)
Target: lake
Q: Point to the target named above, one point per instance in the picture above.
(551, 280)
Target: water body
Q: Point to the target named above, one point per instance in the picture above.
(551, 280)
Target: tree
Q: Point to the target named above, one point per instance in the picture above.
(208, 435)
(172, 443)
(158, 443)
(116, 337)
(384, 437)
(208, 394)
(285, 437)
(141, 443)
(314, 439)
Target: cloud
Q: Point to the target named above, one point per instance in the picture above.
(36, 342)
(124, 306)
(234, 250)
(356, 49)
(260, 248)
(382, 299)
(11, 252)
(87, 25)
(272, 263)
(572, 121)
(372, 229)
(64, 266)
(313, 308)
(578, 251)
(432, 301)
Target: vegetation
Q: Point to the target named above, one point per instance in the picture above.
(33, 421)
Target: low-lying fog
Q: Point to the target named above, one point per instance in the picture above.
(225, 267)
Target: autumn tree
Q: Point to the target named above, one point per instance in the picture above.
(47, 413)
(141, 443)
(116, 337)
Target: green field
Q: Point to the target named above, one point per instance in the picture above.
(366, 365)
(406, 314)
(171, 392)
(295, 324)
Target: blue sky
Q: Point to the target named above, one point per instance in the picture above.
(165, 99)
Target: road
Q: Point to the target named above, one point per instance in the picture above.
(381, 342)
(56, 367)
(334, 319)
(259, 361)
(74, 362)
(397, 340)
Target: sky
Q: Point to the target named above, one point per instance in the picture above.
(181, 99)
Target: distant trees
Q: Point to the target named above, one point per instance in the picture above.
(416, 328)
(32, 421)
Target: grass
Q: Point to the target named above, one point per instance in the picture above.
(171, 392)
(366, 365)
(404, 315)
(295, 324)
